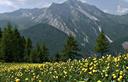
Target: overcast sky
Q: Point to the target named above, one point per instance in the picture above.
(110, 6)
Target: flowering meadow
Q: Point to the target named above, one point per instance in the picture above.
(93, 69)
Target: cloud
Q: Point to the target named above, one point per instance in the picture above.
(106, 11)
(122, 10)
(7, 6)
(11, 5)
(6, 3)
(126, 0)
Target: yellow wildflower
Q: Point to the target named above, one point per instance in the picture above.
(99, 81)
(17, 80)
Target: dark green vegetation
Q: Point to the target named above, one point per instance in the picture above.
(16, 48)
(71, 50)
(102, 44)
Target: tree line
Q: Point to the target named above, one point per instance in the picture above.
(17, 48)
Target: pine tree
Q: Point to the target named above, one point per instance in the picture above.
(71, 49)
(39, 54)
(34, 56)
(57, 57)
(27, 48)
(102, 44)
(6, 46)
(44, 53)
(11, 45)
(18, 46)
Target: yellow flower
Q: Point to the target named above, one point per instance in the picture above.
(40, 81)
(91, 68)
(117, 65)
(117, 70)
(103, 70)
(99, 81)
(114, 76)
(90, 73)
(121, 72)
(94, 59)
(17, 80)
(65, 72)
(121, 77)
(127, 67)
(115, 59)
(125, 57)
(56, 77)
(26, 79)
(106, 75)
(83, 69)
(94, 65)
(94, 71)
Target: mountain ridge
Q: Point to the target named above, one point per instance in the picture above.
(82, 20)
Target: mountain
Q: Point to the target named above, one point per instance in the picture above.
(22, 17)
(74, 17)
(47, 34)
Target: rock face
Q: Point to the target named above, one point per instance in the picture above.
(82, 20)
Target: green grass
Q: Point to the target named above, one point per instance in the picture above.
(105, 69)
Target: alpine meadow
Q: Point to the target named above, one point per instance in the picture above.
(63, 40)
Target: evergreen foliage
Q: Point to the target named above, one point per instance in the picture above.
(39, 54)
(102, 44)
(71, 49)
(27, 49)
(16, 48)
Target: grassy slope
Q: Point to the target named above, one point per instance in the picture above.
(105, 69)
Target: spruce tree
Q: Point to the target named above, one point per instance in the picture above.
(102, 44)
(11, 45)
(6, 44)
(39, 54)
(57, 57)
(44, 53)
(71, 49)
(18, 46)
(27, 48)
(34, 58)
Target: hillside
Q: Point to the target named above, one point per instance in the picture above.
(48, 34)
(74, 17)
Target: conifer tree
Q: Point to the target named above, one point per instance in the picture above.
(12, 47)
(57, 57)
(102, 44)
(6, 44)
(44, 53)
(27, 48)
(18, 46)
(39, 54)
(71, 49)
(34, 58)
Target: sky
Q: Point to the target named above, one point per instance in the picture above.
(109, 6)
